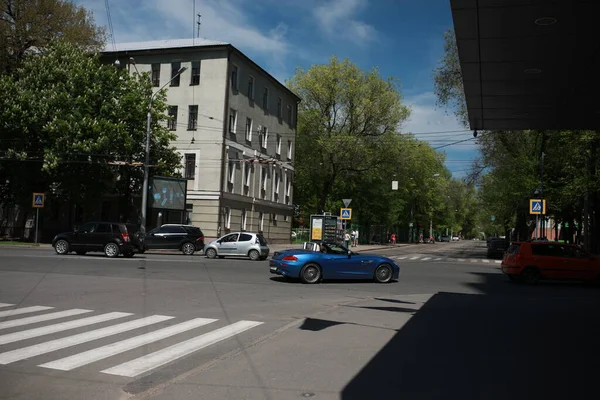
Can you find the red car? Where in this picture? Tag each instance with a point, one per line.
(532, 261)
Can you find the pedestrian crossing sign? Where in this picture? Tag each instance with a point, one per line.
(38, 200)
(346, 213)
(537, 206)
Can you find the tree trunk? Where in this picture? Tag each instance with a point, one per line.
(325, 193)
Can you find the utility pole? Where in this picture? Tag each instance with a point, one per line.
(543, 215)
(198, 23)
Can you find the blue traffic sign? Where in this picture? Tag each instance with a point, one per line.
(346, 213)
(38, 200)
(537, 206)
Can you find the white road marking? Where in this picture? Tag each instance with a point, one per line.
(474, 260)
(461, 259)
(53, 345)
(24, 310)
(40, 318)
(415, 258)
(497, 261)
(437, 259)
(5, 305)
(426, 258)
(486, 261)
(100, 353)
(154, 360)
(401, 258)
(46, 330)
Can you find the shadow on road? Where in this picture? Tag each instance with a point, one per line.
(511, 342)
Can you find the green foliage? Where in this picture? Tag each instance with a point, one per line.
(68, 117)
(31, 25)
(448, 80)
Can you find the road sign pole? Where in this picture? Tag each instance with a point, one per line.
(37, 219)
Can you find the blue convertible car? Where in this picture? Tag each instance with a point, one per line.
(317, 261)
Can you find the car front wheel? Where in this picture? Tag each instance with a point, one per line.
(61, 247)
(311, 273)
(211, 253)
(383, 273)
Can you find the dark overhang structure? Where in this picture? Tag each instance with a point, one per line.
(530, 64)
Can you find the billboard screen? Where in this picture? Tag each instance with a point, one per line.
(167, 193)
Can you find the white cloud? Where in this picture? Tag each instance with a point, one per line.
(337, 19)
(222, 20)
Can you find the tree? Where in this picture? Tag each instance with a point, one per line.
(76, 128)
(344, 120)
(448, 80)
(33, 24)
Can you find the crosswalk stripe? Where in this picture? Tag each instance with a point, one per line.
(474, 260)
(497, 261)
(461, 259)
(24, 310)
(53, 345)
(161, 357)
(427, 258)
(486, 261)
(437, 259)
(415, 258)
(5, 305)
(40, 318)
(46, 330)
(100, 353)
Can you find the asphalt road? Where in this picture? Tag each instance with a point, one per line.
(172, 326)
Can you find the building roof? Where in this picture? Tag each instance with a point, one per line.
(162, 44)
(529, 64)
(158, 45)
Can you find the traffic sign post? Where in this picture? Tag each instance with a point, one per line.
(37, 203)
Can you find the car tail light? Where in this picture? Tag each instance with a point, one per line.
(290, 258)
(200, 238)
(125, 237)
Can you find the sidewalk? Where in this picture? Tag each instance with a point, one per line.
(358, 249)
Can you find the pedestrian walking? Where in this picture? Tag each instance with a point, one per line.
(347, 240)
(356, 238)
(393, 238)
(353, 238)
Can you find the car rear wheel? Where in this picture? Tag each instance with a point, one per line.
(61, 247)
(188, 248)
(530, 275)
(311, 273)
(111, 250)
(254, 255)
(383, 273)
(211, 253)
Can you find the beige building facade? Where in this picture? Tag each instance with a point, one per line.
(236, 133)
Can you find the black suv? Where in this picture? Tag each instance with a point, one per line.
(186, 238)
(112, 238)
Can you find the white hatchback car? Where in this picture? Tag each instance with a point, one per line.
(240, 244)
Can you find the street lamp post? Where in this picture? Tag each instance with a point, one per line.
(147, 160)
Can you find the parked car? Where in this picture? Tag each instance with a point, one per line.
(455, 238)
(532, 261)
(318, 261)
(112, 238)
(496, 247)
(186, 238)
(246, 244)
(445, 238)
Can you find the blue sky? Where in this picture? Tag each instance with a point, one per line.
(403, 38)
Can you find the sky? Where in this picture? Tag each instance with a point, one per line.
(402, 38)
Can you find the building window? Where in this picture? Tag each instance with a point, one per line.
(195, 73)
(286, 218)
(276, 181)
(288, 190)
(189, 211)
(263, 182)
(244, 220)
(266, 99)
(249, 129)
(232, 120)
(279, 108)
(193, 118)
(231, 176)
(289, 115)
(251, 88)
(190, 166)
(274, 218)
(278, 148)
(247, 173)
(261, 222)
(155, 75)
(227, 218)
(172, 122)
(264, 137)
(289, 150)
(234, 77)
(175, 67)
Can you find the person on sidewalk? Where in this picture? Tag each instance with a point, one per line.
(393, 238)
(353, 238)
(356, 238)
(347, 240)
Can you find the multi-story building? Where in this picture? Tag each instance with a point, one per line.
(236, 132)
